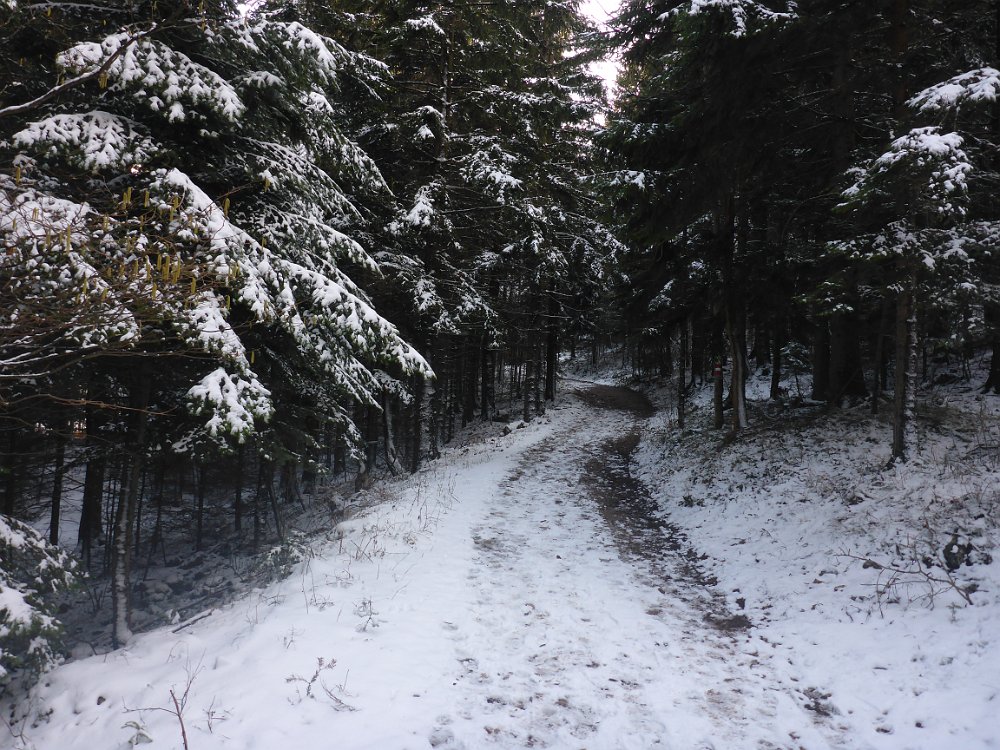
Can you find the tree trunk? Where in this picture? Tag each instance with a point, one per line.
(879, 375)
(372, 421)
(199, 477)
(434, 410)
(991, 310)
(256, 504)
(10, 481)
(93, 485)
(681, 361)
(906, 330)
(156, 538)
(737, 387)
(452, 391)
(698, 353)
(718, 395)
(991, 313)
(391, 457)
(417, 423)
(488, 378)
(900, 43)
(289, 482)
(551, 346)
(57, 485)
(121, 573)
(472, 351)
(90, 513)
(761, 346)
(527, 386)
(238, 498)
(537, 384)
(904, 403)
(846, 373)
(339, 453)
(777, 344)
(821, 362)
(837, 361)
(456, 394)
(267, 483)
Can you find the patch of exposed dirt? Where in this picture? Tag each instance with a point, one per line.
(619, 399)
(639, 531)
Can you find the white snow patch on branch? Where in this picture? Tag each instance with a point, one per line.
(235, 402)
(975, 86)
(742, 12)
(161, 77)
(96, 140)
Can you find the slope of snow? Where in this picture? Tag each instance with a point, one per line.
(838, 558)
(524, 592)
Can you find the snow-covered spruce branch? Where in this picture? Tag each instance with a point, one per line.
(72, 83)
(39, 7)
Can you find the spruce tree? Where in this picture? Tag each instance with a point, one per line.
(182, 207)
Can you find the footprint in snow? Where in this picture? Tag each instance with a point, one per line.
(444, 738)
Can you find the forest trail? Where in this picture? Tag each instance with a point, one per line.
(591, 623)
(520, 593)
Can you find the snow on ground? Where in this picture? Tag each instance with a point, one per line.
(595, 580)
(839, 560)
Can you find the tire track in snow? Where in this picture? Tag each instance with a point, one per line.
(591, 625)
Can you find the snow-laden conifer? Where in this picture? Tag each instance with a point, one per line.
(182, 197)
(31, 573)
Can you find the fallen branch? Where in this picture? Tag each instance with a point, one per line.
(897, 576)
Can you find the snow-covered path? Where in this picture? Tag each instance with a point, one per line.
(586, 630)
(536, 607)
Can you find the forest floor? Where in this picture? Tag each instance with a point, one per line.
(600, 579)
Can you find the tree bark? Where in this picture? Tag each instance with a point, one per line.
(879, 375)
(777, 344)
(537, 384)
(121, 572)
(821, 362)
(737, 386)
(199, 477)
(991, 310)
(837, 361)
(551, 346)
(718, 395)
(391, 456)
(904, 402)
(681, 361)
(991, 313)
(272, 497)
(238, 498)
(256, 504)
(434, 406)
(528, 385)
(12, 470)
(57, 485)
(416, 423)
(471, 351)
(488, 378)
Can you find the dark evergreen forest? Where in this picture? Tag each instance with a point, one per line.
(248, 250)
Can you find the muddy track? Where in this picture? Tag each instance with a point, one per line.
(617, 399)
(592, 621)
(670, 561)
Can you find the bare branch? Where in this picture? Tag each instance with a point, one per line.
(17, 109)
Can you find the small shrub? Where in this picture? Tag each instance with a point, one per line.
(31, 571)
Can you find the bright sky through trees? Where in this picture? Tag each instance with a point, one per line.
(601, 11)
